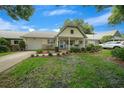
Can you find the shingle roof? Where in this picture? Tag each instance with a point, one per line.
(11, 34)
(41, 34)
(100, 35)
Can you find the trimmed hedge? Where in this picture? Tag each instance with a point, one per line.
(118, 52)
(93, 48)
(75, 50)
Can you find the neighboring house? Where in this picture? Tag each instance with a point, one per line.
(13, 37)
(95, 38)
(67, 37)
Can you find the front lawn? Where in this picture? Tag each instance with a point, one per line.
(76, 70)
(6, 53)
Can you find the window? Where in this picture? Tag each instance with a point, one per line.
(72, 31)
(50, 41)
(16, 42)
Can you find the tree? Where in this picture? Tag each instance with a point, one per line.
(117, 15)
(3, 41)
(88, 29)
(4, 45)
(22, 45)
(106, 38)
(18, 11)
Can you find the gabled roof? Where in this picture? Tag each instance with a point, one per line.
(99, 36)
(11, 34)
(63, 28)
(41, 34)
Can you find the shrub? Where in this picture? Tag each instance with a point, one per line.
(118, 52)
(63, 53)
(93, 48)
(56, 49)
(15, 48)
(50, 54)
(37, 55)
(58, 54)
(4, 48)
(39, 51)
(32, 55)
(22, 45)
(106, 38)
(5, 42)
(67, 52)
(75, 50)
(83, 49)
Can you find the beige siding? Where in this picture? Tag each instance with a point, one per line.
(35, 43)
(67, 33)
(96, 42)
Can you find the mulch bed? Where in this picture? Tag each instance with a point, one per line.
(116, 60)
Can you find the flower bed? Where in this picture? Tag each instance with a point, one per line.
(46, 54)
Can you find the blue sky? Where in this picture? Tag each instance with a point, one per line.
(50, 18)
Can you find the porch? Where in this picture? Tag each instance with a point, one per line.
(65, 43)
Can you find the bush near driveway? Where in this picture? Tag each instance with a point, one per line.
(4, 45)
(93, 48)
(118, 52)
(22, 45)
(4, 48)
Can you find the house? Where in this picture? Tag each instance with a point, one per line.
(13, 37)
(67, 37)
(95, 38)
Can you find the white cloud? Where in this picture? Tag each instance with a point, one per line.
(15, 25)
(48, 29)
(59, 12)
(6, 25)
(31, 29)
(55, 30)
(99, 20)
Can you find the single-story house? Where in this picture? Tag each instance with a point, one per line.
(95, 38)
(67, 37)
(13, 37)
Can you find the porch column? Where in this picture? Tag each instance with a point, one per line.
(68, 43)
(84, 42)
(57, 42)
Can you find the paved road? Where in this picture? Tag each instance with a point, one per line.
(12, 59)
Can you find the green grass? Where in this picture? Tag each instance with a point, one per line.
(3, 54)
(77, 70)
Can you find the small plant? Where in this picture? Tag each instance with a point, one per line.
(50, 54)
(118, 52)
(83, 49)
(58, 54)
(63, 53)
(67, 52)
(39, 51)
(37, 55)
(32, 55)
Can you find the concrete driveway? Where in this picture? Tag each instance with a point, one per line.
(10, 60)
